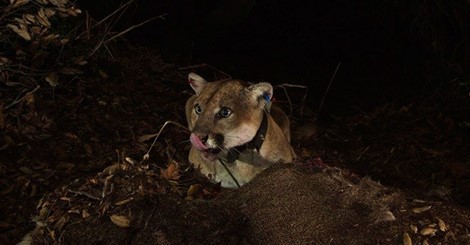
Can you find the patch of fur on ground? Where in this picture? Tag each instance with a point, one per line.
(283, 205)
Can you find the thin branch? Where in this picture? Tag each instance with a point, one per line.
(22, 98)
(135, 26)
(105, 18)
(204, 65)
(230, 173)
(329, 85)
(288, 98)
(147, 155)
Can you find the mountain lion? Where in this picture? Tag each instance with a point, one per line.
(235, 131)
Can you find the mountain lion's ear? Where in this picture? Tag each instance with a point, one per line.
(196, 82)
(262, 92)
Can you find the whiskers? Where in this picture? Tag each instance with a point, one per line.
(228, 150)
(234, 140)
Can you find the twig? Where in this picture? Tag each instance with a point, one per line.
(22, 98)
(135, 26)
(329, 85)
(204, 65)
(147, 156)
(105, 18)
(116, 20)
(150, 216)
(230, 173)
(97, 46)
(288, 98)
(85, 194)
(363, 152)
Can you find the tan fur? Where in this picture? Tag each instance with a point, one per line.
(246, 104)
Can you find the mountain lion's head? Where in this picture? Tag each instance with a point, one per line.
(224, 114)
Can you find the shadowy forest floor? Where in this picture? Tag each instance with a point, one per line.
(62, 142)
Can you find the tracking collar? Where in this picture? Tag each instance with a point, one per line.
(255, 143)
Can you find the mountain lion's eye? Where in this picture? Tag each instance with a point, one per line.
(198, 109)
(225, 112)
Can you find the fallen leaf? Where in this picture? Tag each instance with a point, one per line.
(428, 231)
(42, 18)
(49, 38)
(58, 3)
(30, 18)
(21, 32)
(70, 71)
(442, 225)
(53, 79)
(52, 235)
(193, 190)
(421, 209)
(85, 214)
(407, 239)
(21, 22)
(122, 202)
(26, 170)
(414, 228)
(49, 12)
(120, 220)
(171, 172)
(18, 3)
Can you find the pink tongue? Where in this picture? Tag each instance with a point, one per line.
(197, 142)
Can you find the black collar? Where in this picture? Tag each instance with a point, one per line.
(255, 143)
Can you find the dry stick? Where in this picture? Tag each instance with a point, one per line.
(135, 26)
(22, 98)
(147, 156)
(329, 85)
(230, 173)
(104, 42)
(105, 18)
(288, 98)
(97, 46)
(204, 65)
(115, 20)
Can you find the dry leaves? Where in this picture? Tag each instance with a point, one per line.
(407, 239)
(428, 231)
(21, 30)
(53, 79)
(421, 209)
(120, 220)
(17, 3)
(171, 172)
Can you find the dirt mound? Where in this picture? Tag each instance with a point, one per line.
(284, 205)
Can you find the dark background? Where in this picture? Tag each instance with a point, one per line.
(388, 50)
